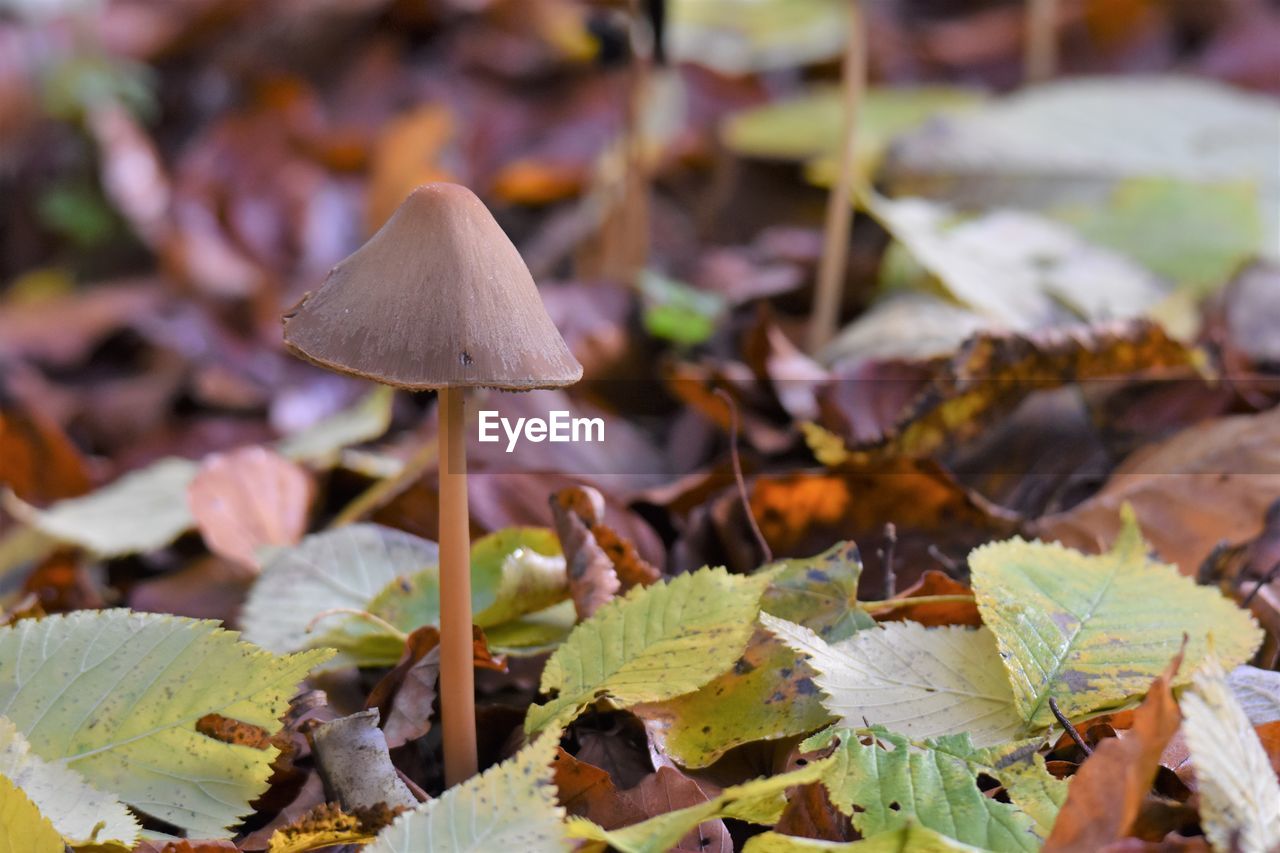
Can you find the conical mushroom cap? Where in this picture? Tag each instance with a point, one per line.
(438, 298)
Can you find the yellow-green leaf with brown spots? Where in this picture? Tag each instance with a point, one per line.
(655, 643)
(116, 696)
(1092, 632)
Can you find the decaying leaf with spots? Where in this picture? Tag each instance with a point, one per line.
(1108, 790)
(327, 825)
(993, 372)
(769, 693)
(1092, 632)
(655, 643)
(887, 787)
(150, 678)
(921, 682)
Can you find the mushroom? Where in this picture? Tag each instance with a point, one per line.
(439, 299)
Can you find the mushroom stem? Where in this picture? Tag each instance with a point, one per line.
(457, 678)
(835, 242)
(1040, 58)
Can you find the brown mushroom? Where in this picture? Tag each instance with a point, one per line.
(439, 299)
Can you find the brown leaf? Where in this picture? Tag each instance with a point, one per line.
(407, 153)
(600, 563)
(1108, 791)
(934, 582)
(249, 499)
(405, 695)
(811, 814)
(668, 790)
(1210, 483)
(40, 464)
(992, 373)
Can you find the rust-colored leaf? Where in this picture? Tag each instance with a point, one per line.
(1107, 793)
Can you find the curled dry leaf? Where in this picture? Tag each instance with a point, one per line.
(250, 499)
(351, 754)
(599, 562)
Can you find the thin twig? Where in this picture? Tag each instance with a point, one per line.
(737, 474)
(951, 565)
(1263, 581)
(895, 603)
(362, 614)
(383, 491)
(1040, 59)
(886, 559)
(1066, 724)
(839, 216)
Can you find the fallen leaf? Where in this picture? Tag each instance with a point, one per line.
(1108, 790)
(1092, 632)
(1239, 794)
(248, 501)
(1211, 482)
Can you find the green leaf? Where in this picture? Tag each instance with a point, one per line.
(883, 789)
(655, 643)
(115, 696)
(758, 801)
(769, 691)
(535, 633)
(811, 125)
(142, 511)
(1239, 795)
(677, 312)
(909, 837)
(510, 807)
(1019, 269)
(1195, 235)
(1073, 141)
(321, 443)
(514, 572)
(1094, 632)
(22, 828)
(1018, 766)
(80, 813)
(920, 681)
(740, 36)
(341, 568)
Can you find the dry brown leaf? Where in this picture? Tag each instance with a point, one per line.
(249, 499)
(934, 582)
(1108, 791)
(599, 562)
(40, 464)
(1210, 483)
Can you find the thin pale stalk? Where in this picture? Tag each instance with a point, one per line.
(835, 243)
(1040, 54)
(457, 677)
(895, 603)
